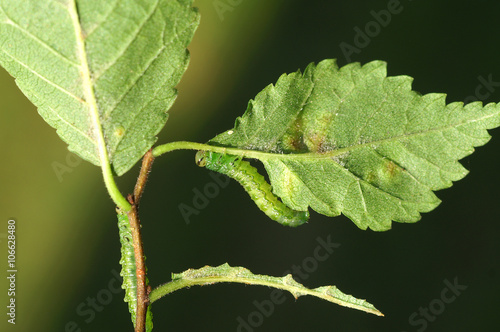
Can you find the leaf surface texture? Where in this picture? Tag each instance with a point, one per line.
(351, 140)
(103, 73)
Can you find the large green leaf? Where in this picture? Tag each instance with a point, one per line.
(354, 141)
(101, 72)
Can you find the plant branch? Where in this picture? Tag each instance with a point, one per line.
(135, 226)
(147, 163)
(140, 268)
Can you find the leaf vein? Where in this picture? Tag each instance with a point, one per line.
(85, 135)
(363, 201)
(96, 26)
(44, 44)
(103, 70)
(60, 88)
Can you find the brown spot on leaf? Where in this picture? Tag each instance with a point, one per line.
(392, 169)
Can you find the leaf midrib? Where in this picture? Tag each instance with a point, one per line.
(88, 90)
(337, 152)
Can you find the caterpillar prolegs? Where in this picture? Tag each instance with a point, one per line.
(255, 185)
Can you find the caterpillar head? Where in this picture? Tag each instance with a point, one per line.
(201, 158)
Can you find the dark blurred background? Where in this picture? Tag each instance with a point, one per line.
(67, 240)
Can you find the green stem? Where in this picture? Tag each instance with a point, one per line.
(182, 145)
(246, 153)
(113, 190)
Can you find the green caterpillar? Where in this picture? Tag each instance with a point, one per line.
(127, 262)
(255, 184)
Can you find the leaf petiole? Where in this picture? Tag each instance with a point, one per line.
(113, 190)
(183, 145)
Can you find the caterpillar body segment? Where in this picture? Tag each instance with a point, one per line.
(255, 185)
